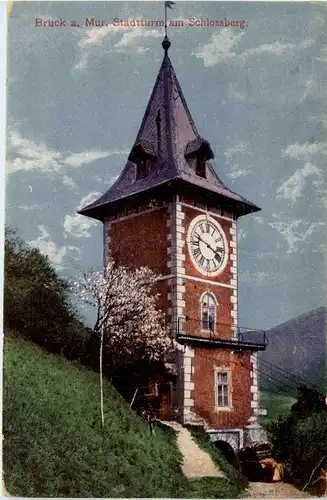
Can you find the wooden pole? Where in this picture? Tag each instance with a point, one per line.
(134, 397)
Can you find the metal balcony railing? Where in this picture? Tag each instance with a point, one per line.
(220, 334)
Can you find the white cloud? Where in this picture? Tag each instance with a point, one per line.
(220, 48)
(106, 182)
(256, 277)
(86, 200)
(25, 155)
(322, 56)
(312, 88)
(222, 45)
(296, 231)
(94, 39)
(79, 159)
(235, 171)
(31, 155)
(69, 182)
(130, 39)
(78, 226)
(277, 48)
(259, 219)
(240, 147)
(242, 234)
(29, 207)
(296, 151)
(293, 188)
(55, 253)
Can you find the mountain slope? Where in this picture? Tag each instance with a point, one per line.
(297, 346)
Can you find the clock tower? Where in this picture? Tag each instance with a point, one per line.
(169, 211)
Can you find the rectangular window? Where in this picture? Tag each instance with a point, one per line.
(200, 167)
(222, 386)
(141, 169)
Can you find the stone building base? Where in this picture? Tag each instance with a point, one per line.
(234, 437)
(254, 433)
(238, 438)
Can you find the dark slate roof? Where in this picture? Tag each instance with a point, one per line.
(145, 146)
(179, 136)
(197, 144)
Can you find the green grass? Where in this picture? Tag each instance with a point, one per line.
(54, 445)
(275, 404)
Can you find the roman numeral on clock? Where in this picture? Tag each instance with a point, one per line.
(206, 244)
(196, 252)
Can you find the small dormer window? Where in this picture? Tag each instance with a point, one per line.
(197, 153)
(141, 168)
(144, 157)
(200, 168)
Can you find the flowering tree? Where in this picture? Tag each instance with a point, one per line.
(131, 328)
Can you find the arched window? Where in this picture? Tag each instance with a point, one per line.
(208, 311)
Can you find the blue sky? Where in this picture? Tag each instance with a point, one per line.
(76, 97)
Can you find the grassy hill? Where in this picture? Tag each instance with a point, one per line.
(54, 445)
(275, 404)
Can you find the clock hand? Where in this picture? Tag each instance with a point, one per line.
(218, 257)
(209, 246)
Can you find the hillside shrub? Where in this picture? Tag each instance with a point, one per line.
(300, 438)
(37, 301)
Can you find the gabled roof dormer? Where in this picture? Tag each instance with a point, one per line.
(197, 153)
(144, 155)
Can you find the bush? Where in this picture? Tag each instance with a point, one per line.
(300, 438)
(37, 302)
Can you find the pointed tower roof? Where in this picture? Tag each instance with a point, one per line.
(179, 140)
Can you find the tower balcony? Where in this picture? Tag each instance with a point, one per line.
(224, 336)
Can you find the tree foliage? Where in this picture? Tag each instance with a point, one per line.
(134, 328)
(37, 304)
(300, 438)
(37, 301)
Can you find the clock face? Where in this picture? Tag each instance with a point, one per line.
(207, 245)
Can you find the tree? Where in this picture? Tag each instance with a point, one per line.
(308, 401)
(130, 326)
(300, 437)
(37, 301)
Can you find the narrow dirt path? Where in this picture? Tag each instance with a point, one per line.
(275, 490)
(196, 463)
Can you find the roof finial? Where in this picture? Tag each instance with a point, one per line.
(166, 43)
